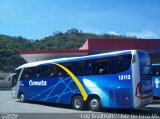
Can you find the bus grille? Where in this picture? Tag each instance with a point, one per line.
(123, 97)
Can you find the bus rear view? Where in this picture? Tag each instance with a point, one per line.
(141, 78)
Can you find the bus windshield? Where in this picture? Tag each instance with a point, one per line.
(156, 71)
(145, 67)
(15, 77)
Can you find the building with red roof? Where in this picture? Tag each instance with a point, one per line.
(93, 46)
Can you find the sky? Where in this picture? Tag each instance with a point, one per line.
(36, 19)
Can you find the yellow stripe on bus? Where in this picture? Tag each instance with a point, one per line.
(81, 88)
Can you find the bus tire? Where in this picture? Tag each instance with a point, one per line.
(21, 98)
(78, 102)
(94, 103)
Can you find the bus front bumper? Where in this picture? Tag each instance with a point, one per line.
(14, 95)
(145, 102)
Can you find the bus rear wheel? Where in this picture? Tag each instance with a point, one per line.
(21, 98)
(78, 102)
(94, 104)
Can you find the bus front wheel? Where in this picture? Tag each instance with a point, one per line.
(78, 102)
(94, 104)
(21, 98)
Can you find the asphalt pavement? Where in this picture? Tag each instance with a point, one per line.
(13, 109)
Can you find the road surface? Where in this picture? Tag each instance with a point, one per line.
(13, 109)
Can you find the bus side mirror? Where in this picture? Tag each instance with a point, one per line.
(10, 78)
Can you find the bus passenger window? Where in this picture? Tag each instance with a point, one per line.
(127, 61)
(121, 63)
(59, 72)
(80, 68)
(69, 66)
(27, 73)
(39, 71)
(89, 67)
(120, 66)
(100, 68)
(50, 71)
(103, 66)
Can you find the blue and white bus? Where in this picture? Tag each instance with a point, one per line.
(156, 79)
(119, 79)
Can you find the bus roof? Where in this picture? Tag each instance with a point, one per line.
(61, 60)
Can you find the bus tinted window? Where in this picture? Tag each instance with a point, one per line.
(51, 71)
(103, 66)
(121, 63)
(39, 71)
(62, 72)
(27, 73)
(156, 70)
(15, 77)
(107, 65)
(89, 65)
(80, 68)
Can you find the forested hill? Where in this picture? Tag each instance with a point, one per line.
(71, 39)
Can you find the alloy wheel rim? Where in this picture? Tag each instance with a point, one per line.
(78, 103)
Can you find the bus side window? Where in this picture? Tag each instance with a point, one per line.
(40, 71)
(69, 66)
(60, 72)
(108, 65)
(89, 67)
(103, 66)
(53, 71)
(47, 71)
(50, 71)
(121, 63)
(27, 73)
(80, 69)
(127, 61)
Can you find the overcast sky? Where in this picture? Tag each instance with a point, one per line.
(35, 19)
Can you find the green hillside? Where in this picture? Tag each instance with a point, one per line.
(71, 39)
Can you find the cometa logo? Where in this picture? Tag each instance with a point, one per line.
(37, 83)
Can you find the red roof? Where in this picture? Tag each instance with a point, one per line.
(121, 44)
(53, 51)
(96, 45)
